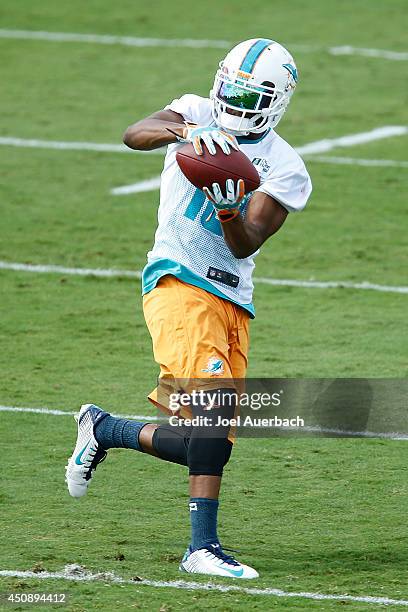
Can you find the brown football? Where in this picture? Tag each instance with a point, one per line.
(204, 170)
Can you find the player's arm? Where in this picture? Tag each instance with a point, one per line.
(166, 126)
(264, 217)
(157, 130)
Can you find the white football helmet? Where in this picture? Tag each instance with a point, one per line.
(255, 81)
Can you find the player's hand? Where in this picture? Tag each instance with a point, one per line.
(234, 197)
(228, 206)
(210, 136)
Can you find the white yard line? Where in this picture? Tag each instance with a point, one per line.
(111, 273)
(50, 269)
(351, 140)
(318, 146)
(192, 43)
(107, 39)
(330, 431)
(54, 412)
(78, 574)
(380, 53)
(356, 161)
(328, 284)
(151, 184)
(34, 143)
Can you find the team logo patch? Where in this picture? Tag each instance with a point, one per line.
(215, 367)
(262, 165)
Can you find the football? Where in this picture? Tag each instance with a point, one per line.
(206, 169)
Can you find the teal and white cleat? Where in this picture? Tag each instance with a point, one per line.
(213, 561)
(87, 453)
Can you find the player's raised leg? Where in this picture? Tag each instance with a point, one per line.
(97, 432)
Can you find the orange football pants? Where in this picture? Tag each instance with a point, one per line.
(198, 339)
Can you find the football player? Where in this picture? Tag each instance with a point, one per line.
(197, 284)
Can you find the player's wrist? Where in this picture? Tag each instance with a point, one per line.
(225, 215)
(179, 132)
(189, 129)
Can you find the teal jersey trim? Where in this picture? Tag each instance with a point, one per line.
(153, 271)
(244, 140)
(250, 59)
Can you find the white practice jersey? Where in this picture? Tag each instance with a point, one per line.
(189, 242)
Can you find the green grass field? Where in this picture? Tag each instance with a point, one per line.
(321, 515)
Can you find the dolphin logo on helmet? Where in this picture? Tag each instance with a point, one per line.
(292, 70)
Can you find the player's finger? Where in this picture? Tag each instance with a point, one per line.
(224, 146)
(230, 191)
(208, 194)
(240, 190)
(197, 145)
(232, 141)
(216, 189)
(208, 141)
(219, 138)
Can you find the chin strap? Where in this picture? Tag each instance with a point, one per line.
(232, 132)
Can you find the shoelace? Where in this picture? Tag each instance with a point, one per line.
(218, 552)
(98, 458)
(231, 549)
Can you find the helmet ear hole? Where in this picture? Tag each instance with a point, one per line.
(267, 100)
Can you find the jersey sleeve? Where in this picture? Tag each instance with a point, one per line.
(194, 109)
(289, 184)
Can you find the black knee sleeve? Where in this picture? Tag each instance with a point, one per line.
(171, 443)
(209, 448)
(207, 456)
(204, 448)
